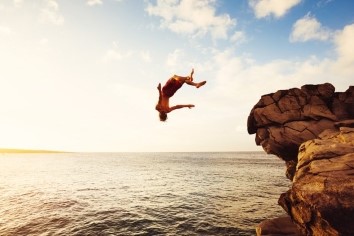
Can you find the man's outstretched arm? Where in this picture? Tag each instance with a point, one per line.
(181, 106)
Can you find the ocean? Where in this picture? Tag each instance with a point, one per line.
(139, 193)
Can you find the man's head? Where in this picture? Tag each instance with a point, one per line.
(162, 113)
(163, 116)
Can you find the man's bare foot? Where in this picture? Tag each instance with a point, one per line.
(200, 84)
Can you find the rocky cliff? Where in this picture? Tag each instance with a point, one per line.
(282, 121)
(311, 129)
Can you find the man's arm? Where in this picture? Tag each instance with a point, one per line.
(160, 93)
(181, 106)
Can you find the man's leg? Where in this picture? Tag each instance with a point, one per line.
(189, 80)
(197, 85)
(191, 76)
(185, 78)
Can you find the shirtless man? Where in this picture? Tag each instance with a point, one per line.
(171, 86)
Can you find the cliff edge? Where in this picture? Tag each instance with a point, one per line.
(312, 130)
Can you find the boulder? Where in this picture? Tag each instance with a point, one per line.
(281, 226)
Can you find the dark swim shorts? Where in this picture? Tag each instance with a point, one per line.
(171, 87)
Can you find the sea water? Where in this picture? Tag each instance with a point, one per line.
(139, 193)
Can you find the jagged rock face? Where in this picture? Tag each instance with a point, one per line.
(284, 120)
(320, 200)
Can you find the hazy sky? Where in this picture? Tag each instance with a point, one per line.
(81, 75)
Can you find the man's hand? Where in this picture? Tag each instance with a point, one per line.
(190, 106)
(159, 87)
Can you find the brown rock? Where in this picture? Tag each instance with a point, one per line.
(281, 226)
(283, 120)
(312, 130)
(320, 200)
(343, 104)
